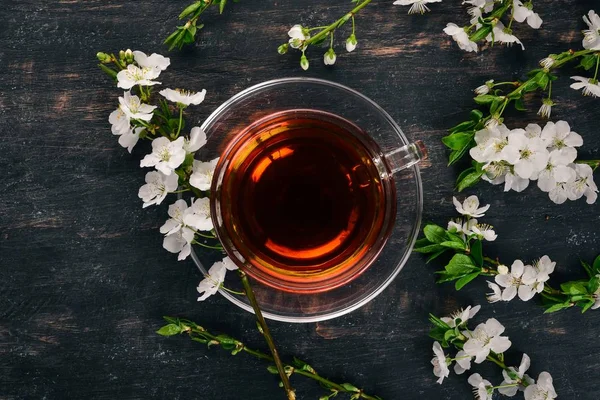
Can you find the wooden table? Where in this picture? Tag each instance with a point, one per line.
(85, 281)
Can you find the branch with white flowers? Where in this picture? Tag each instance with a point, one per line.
(186, 33)
(547, 155)
(176, 169)
(486, 24)
(199, 334)
(484, 343)
(464, 237)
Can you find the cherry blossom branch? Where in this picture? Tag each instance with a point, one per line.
(465, 238)
(199, 334)
(485, 342)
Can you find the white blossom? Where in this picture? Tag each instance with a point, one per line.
(460, 317)
(515, 182)
(183, 97)
(215, 277)
(174, 224)
(166, 155)
(519, 281)
(495, 172)
(297, 36)
(502, 34)
(202, 174)
(591, 39)
(522, 13)
(496, 294)
(133, 108)
(532, 154)
(134, 75)
(484, 338)
(533, 131)
(417, 6)
(485, 231)
(522, 377)
(546, 108)
(119, 122)
(463, 362)
(157, 186)
(480, 387)
(481, 5)
(153, 61)
(196, 141)
(180, 242)
(461, 37)
(558, 136)
(130, 138)
(484, 89)
(329, 57)
(470, 207)
(584, 184)
(543, 268)
(560, 192)
(590, 86)
(596, 297)
(197, 215)
(547, 63)
(440, 363)
(491, 145)
(542, 390)
(557, 170)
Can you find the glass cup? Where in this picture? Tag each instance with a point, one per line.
(315, 297)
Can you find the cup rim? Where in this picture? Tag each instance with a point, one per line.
(413, 234)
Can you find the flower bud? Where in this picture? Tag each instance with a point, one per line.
(351, 43)
(121, 54)
(304, 62)
(329, 57)
(103, 57)
(283, 48)
(129, 56)
(502, 269)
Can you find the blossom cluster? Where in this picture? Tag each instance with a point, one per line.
(486, 24)
(546, 155)
(485, 342)
(175, 168)
(465, 237)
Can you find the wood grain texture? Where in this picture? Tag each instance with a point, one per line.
(84, 280)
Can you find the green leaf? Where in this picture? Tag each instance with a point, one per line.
(437, 333)
(486, 99)
(593, 285)
(588, 62)
(109, 71)
(190, 9)
(460, 264)
(273, 369)
(454, 238)
(558, 307)
(435, 255)
(466, 172)
(481, 33)
(438, 322)
(466, 279)
(457, 141)
(435, 233)
(456, 155)
(586, 305)
(469, 180)
(530, 86)
(432, 248)
(587, 268)
(463, 126)
(169, 330)
(422, 242)
(222, 6)
(574, 288)
(477, 253)
(350, 387)
(476, 115)
(446, 277)
(597, 265)
(520, 105)
(449, 335)
(542, 79)
(453, 245)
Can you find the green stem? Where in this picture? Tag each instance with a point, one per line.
(207, 246)
(180, 121)
(574, 55)
(597, 65)
(496, 361)
(231, 290)
(201, 332)
(491, 260)
(337, 23)
(267, 335)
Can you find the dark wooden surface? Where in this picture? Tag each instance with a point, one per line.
(84, 280)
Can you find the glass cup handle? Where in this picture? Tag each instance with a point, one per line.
(406, 156)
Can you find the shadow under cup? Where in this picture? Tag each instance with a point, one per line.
(304, 201)
(308, 294)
